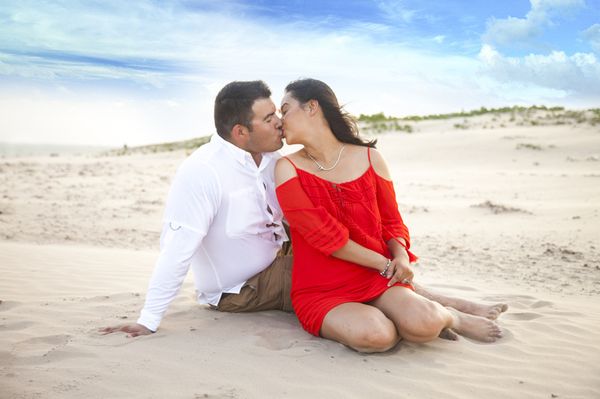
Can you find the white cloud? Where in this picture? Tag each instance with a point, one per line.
(593, 35)
(575, 74)
(542, 14)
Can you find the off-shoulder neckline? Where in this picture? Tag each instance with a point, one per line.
(369, 169)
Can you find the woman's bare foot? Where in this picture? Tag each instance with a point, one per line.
(475, 327)
(490, 312)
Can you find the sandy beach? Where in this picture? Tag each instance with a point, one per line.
(506, 214)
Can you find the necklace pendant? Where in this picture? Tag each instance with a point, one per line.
(321, 167)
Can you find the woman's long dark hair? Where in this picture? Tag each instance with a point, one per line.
(342, 124)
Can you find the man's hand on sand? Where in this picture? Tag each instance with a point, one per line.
(132, 330)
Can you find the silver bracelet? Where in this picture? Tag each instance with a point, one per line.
(383, 273)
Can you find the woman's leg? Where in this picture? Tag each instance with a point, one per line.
(419, 319)
(477, 309)
(362, 327)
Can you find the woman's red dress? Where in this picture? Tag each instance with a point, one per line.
(323, 215)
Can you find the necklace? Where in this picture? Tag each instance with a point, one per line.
(321, 167)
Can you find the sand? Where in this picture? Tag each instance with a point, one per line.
(507, 214)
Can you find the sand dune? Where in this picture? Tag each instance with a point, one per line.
(492, 221)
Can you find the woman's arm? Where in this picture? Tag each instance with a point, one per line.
(356, 253)
(395, 231)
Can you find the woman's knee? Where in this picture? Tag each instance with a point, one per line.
(426, 324)
(377, 336)
(362, 327)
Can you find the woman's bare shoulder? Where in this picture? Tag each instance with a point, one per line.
(379, 164)
(285, 169)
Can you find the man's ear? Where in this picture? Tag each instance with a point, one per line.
(239, 134)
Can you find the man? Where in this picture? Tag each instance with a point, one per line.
(222, 218)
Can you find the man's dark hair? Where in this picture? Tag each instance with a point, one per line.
(233, 105)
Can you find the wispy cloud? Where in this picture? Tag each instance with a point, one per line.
(542, 14)
(592, 34)
(397, 11)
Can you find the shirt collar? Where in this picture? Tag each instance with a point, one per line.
(242, 156)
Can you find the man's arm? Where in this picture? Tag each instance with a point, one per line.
(193, 202)
(178, 246)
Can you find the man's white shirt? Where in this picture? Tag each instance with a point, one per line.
(222, 218)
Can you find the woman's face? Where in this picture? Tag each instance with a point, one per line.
(293, 118)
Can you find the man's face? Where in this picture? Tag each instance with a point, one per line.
(266, 134)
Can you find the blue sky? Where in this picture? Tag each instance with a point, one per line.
(113, 72)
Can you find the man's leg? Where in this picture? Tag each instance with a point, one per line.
(477, 309)
(268, 290)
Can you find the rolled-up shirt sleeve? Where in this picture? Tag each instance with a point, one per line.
(314, 223)
(193, 201)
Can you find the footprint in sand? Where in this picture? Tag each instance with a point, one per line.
(301, 347)
(496, 298)
(269, 342)
(42, 350)
(222, 393)
(455, 287)
(17, 326)
(520, 301)
(533, 304)
(522, 316)
(6, 305)
(563, 313)
(541, 304)
(40, 346)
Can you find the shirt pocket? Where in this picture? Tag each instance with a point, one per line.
(244, 214)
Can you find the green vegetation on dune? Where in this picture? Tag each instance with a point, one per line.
(483, 111)
(536, 115)
(380, 117)
(596, 115)
(189, 145)
(381, 123)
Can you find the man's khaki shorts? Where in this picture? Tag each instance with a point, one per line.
(268, 290)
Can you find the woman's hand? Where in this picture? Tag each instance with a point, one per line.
(400, 270)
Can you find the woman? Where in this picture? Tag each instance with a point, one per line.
(351, 277)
